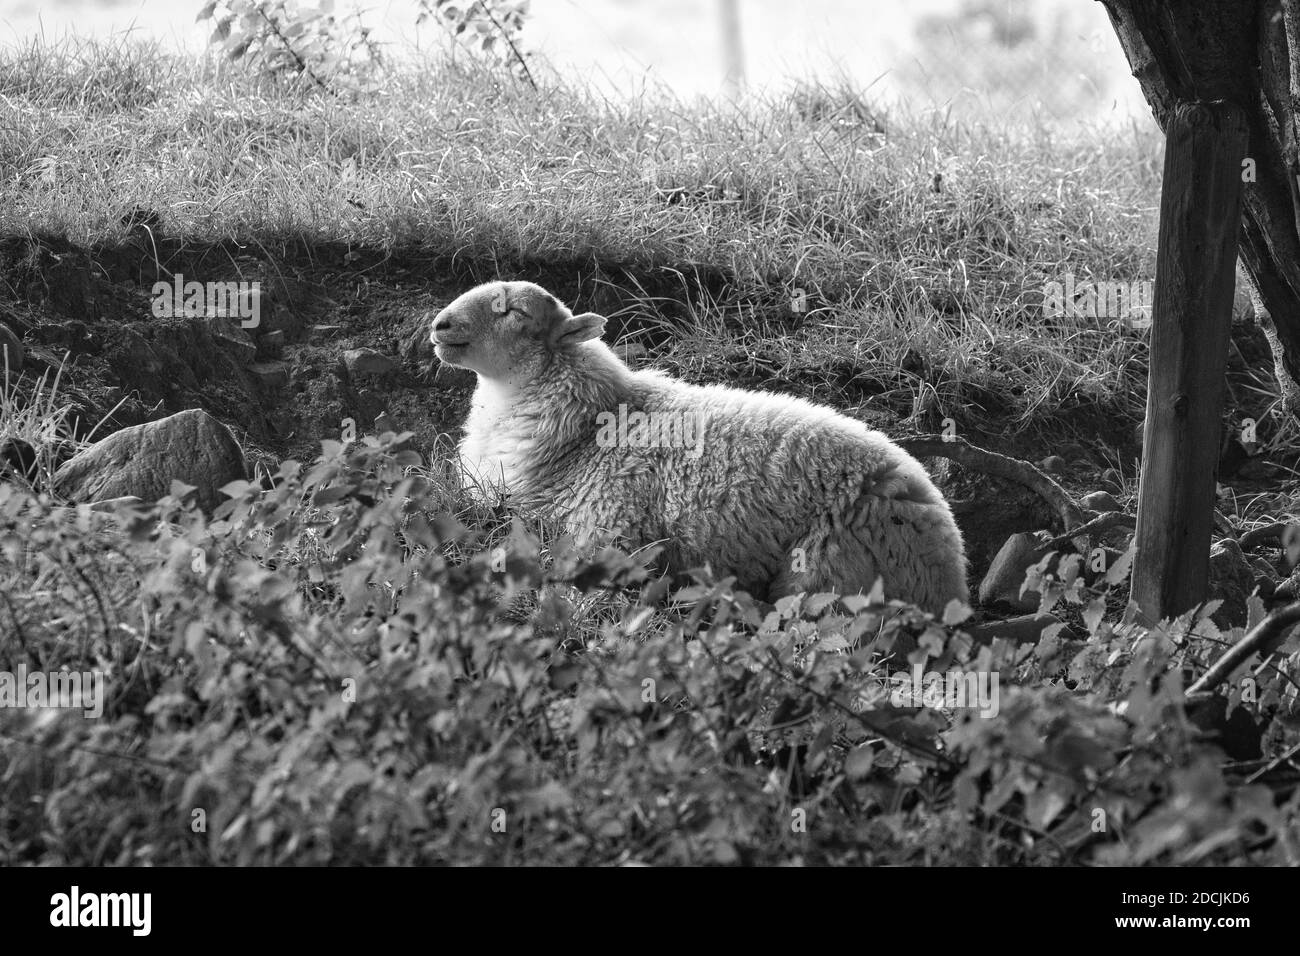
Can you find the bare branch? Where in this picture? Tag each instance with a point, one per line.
(1264, 639)
(999, 466)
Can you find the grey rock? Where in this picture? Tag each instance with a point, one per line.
(1006, 574)
(367, 362)
(1099, 501)
(280, 318)
(232, 337)
(143, 460)
(271, 374)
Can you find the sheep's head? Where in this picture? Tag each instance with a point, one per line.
(509, 330)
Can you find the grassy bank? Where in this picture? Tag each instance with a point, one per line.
(921, 245)
(357, 665)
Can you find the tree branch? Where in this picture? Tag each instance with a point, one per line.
(1264, 639)
(999, 466)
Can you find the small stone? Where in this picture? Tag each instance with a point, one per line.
(278, 318)
(367, 362)
(1111, 480)
(1006, 574)
(1053, 464)
(271, 374)
(1073, 452)
(1256, 469)
(231, 337)
(1099, 501)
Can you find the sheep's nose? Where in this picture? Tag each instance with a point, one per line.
(441, 323)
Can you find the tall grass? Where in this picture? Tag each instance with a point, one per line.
(910, 234)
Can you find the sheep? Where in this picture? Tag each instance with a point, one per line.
(784, 494)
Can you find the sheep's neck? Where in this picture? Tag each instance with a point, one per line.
(520, 436)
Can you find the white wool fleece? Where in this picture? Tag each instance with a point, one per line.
(786, 495)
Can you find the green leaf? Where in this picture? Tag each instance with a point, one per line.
(859, 762)
(1255, 611)
(854, 603)
(179, 490)
(1117, 573)
(235, 489)
(956, 611)
(1043, 806)
(1094, 614)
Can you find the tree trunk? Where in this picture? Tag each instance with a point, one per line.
(1200, 207)
(1246, 52)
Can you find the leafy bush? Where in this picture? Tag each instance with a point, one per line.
(493, 28)
(285, 37)
(335, 53)
(341, 670)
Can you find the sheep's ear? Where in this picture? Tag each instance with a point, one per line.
(578, 329)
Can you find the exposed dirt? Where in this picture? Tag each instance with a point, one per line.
(282, 385)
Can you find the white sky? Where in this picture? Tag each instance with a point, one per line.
(621, 42)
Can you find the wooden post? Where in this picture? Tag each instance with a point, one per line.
(1200, 215)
